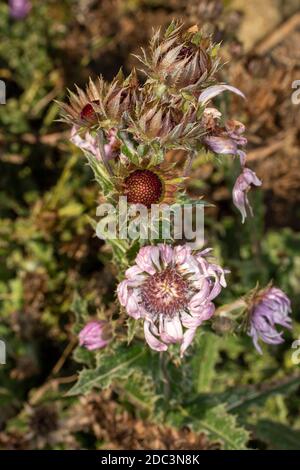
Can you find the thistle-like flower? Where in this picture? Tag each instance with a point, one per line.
(182, 60)
(80, 111)
(94, 335)
(241, 187)
(267, 308)
(172, 290)
(101, 104)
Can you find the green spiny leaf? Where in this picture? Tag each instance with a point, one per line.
(113, 366)
(220, 426)
(240, 400)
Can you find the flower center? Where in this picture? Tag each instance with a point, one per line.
(166, 293)
(143, 187)
(88, 113)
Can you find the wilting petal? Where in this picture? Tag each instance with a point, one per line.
(234, 127)
(88, 144)
(240, 189)
(181, 253)
(166, 253)
(123, 293)
(132, 306)
(221, 144)
(243, 157)
(171, 330)
(112, 148)
(212, 112)
(153, 342)
(200, 296)
(135, 274)
(200, 314)
(215, 90)
(148, 259)
(187, 339)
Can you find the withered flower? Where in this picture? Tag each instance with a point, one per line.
(80, 111)
(183, 60)
(268, 308)
(167, 122)
(241, 187)
(101, 103)
(117, 99)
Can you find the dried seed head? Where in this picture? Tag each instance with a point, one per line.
(143, 187)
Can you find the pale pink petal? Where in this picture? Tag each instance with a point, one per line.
(166, 253)
(171, 330)
(200, 296)
(133, 307)
(198, 315)
(122, 292)
(181, 253)
(153, 342)
(187, 339)
(148, 259)
(215, 90)
(88, 144)
(221, 144)
(134, 273)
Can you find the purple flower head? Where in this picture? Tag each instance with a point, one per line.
(19, 9)
(268, 308)
(240, 190)
(172, 290)
(93, 335)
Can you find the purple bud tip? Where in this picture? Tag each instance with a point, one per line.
(19, 9)
(92, 336)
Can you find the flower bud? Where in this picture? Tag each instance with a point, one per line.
(183, 60)
(95, 335)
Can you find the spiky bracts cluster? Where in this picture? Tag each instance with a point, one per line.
(183, 60)
(125, 128)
